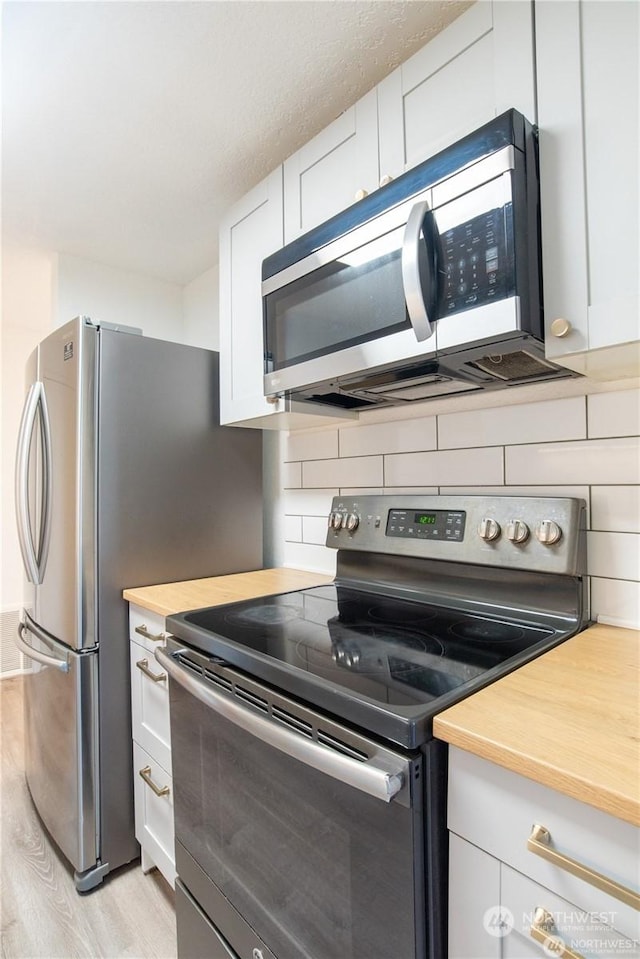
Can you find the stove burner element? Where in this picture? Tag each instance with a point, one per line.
(486, 629)
(268, 615)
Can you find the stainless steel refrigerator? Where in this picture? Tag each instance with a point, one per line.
(124, 477)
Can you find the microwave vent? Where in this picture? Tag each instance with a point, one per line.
(514, 366)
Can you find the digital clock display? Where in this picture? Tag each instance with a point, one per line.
(424, 519)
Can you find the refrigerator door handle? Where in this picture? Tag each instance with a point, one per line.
(36, 655)
(27, 548)
(45, 537)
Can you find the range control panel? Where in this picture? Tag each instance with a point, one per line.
(436, 524)
(536, 533)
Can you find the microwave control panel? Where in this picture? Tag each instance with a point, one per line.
(475, 264)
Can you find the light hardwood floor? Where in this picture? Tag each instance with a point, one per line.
(41, 914)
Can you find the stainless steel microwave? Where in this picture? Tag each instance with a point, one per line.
(428, 287)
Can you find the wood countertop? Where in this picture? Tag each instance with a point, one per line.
(170, 598)
(569, 719)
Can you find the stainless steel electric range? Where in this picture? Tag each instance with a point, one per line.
(309, 793)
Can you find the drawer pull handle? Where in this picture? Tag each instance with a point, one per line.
(543, 930)
(143, 666)
(154, 637)
(158, 790)
(539, 842)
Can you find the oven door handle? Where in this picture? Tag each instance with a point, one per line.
(382, 775)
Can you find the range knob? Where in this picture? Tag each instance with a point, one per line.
(489, 529)
(335, 520)
(517, 531)
(548, 532)
(352, 521)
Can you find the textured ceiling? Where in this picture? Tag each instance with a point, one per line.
(128, 129)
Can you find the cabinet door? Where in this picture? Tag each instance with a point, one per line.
(474, 902)
(588, 107)
(250, 232)
(325, 175)
(478, 67)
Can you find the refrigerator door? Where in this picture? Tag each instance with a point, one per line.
(65, 596)
(61, 742)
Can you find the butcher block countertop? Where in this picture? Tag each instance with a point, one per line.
(569, 720)
(172, 598)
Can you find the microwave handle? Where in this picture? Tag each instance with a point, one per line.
(414, 292)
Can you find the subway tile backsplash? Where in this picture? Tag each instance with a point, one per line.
(586, 446)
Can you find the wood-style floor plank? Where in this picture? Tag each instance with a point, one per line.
(41, 914)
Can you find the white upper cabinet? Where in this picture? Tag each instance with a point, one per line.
(478, 67)
(249, 232)
(334, 169)
(588, 108)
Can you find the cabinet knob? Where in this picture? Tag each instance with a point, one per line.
(560, 326)
(361, 194)
(387, 178)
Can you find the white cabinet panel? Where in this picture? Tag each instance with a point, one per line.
(250, 232)
(474, 902)
(478, 67)
(324, 176)
(150, 705)
(588, 111)
(151, 732)
(154, 814)
(496, 809)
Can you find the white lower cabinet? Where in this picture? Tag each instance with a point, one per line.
(509, 901)
(153, 785)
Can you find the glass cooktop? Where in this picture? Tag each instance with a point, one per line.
(397, 655)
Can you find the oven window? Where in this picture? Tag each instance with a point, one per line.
(316, 868)
(355, 298)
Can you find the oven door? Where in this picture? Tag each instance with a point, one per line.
(294, 835)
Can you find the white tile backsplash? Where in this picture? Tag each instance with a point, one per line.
(614, 414)
(445, 468)
(615, 508)
(292, 529)
(314, 530)
(399, 437)
(311, 444)
(308, 502)
(596, 462)
(615, 601)
(614, 555)
(352, 471)
(291, 475)
(585, 446)
(532, 423)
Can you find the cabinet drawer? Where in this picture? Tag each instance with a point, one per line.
(150, 705)
(496, 809)
(146, 628)
(154, 813)
(538, 923)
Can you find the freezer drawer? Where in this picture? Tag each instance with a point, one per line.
(61, 743)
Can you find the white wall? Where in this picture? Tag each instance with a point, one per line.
(200, 310)
(552, 439)
(118, 296)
